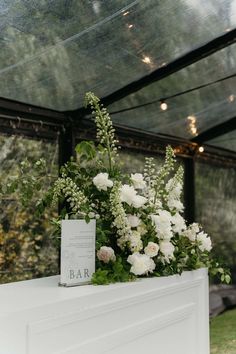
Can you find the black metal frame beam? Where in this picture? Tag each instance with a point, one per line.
(18, 109)
(217, 130)
(185, 60)
(189, 190)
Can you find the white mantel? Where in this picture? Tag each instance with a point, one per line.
(167, 315)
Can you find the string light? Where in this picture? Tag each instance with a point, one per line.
(201, 149)
(130, 26)
(163, 106)
(192, 125)
(126, 13)
(146, 60)
(231, 98)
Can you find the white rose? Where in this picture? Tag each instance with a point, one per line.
(179, 223)
(129, 195)
(102, 182)
(139, 201)
(138, 180)
(141, 264)
(151, 249)
(133, 220)
(106, 254)
(204, 242)
(167, 249)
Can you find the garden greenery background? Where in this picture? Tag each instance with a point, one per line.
(27, 249)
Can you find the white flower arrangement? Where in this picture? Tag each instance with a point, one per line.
(140, 227)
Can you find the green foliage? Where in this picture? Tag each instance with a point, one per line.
(93, 186)
(113, 273)
(222, 333)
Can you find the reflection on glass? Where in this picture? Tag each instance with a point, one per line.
(26, 248)
(216, 209)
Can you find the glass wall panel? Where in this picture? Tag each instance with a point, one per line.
(26, 246)
(226, 141)
(52, 52)
(189, 114)
(216, 209)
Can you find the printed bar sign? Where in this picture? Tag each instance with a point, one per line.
(77, 252)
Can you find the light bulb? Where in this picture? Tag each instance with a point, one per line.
(126, 13)
(146, 60)
(201, 149)
(163, 106)
(231, 98)
(130, 26)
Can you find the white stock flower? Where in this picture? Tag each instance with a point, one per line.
(175, 204)
(141, 264)
(195, 227)
(133, 220)
(151, 249)
(102, 182)
(162, 222)
(174, 191)
(135, 242)
(204, 242)
(178, 223)
(167, 249)
(106, 254)
(129, 195)
(191, 232)
(138, 180)
(142, 229)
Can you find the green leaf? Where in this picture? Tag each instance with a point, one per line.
(86, 149)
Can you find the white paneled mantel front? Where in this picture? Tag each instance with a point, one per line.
(167, 315)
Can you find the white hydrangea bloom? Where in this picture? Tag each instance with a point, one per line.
(162, 222)
(138, 181)
(151, 249)
(204, 242)
(102, 182)
(133, 220)
(178, 222)
(141, 264)
(167, 249)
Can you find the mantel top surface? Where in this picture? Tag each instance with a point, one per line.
(29, 294)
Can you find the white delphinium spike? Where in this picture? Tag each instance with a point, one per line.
(66, 187)
(105, 130)
(120, 221)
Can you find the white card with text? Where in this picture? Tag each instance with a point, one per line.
(77, 252)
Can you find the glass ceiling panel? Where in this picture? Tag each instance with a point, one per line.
(52, 52)
(189, 114)
(226, 141)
